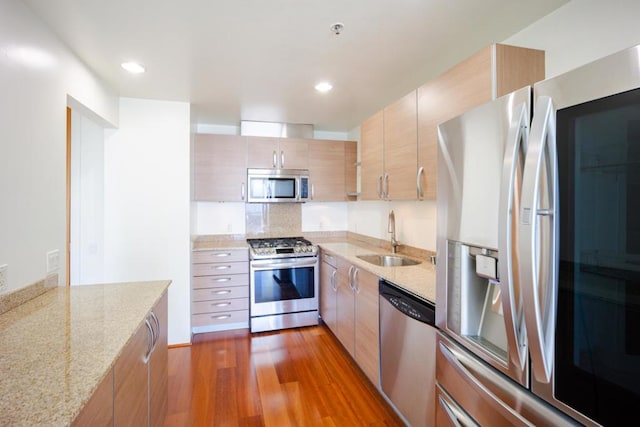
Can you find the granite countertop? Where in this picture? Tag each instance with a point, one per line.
(55, 349)
(418, 279)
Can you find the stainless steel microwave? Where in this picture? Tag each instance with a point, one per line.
(277, 185)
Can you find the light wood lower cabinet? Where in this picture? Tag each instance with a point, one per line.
(355, 301)
(140, 373)
(219, 289)
(135, 391)
(328, 289)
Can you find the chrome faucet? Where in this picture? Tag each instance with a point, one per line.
(392, 230)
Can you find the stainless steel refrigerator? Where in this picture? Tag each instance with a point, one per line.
(538, 242)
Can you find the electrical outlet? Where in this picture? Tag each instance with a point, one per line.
(53, 261)
(3, 277)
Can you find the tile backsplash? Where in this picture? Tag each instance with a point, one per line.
(273, 219)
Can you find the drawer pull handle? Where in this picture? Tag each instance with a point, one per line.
(223, 279)
(222, 267)
(221, 304)
(224, 292)
(222, 254)
(224, 316)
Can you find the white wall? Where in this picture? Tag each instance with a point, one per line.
(147, 206)
(37, 73)
(582, 31)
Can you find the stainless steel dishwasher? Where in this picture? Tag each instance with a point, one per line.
(408, 354)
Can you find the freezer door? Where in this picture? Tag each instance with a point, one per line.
(486, 396)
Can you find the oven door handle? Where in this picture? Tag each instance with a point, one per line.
(271, 264)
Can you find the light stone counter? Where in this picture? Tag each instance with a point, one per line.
(418, 279)
(56, 348)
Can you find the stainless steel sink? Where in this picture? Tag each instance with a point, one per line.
(384, 260)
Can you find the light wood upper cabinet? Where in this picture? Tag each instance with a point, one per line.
(351, 168)
(400, 146)
(332, 170)
(220, 168)
(278, 153)
(492, 72)
(371, 167)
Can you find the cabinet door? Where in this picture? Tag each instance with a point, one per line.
(401, 148)
(367, 330)
(371, 161)
(130, 376)
(328, 274)
(263, 152)
(345, 308)
(351, 168)
(293, 153)
(98, 411)
(220, 168)
(326, 171)
(158, 365)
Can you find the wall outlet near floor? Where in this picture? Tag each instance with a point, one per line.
(3, 277)
(53, 261)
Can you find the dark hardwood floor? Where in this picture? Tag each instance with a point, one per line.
(294, 377)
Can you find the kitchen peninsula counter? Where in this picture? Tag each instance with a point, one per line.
(55, 349)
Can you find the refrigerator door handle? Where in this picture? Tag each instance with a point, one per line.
(538, 247)
(513, 163)
(456, 415)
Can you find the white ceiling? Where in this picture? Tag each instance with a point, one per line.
(259, 59)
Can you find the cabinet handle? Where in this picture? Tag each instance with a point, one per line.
(223, 279)
(223, 292)
(313, 191)
(220, 304)
(150, 338)
(157, 335)
(222, 317)
(222, 267)
(351, 269)
(385, 186)
(333, 280)
(282, 159)
(242, 191)
(379, 187)
(419, 182)
(356, 285)
(275, 159)
(222, 254)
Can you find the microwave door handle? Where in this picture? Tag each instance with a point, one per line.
(538, 264)
(513, 163)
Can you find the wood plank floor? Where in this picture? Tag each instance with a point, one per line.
(294, 377)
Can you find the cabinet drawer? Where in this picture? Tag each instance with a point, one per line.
(218, 306)
(222, 268)
(219, 281)
(221, 318)
(219, 255)
(212, 294)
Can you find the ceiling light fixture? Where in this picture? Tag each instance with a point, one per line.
(324, 87)
(133, 67)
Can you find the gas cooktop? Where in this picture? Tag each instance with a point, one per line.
(281, 247)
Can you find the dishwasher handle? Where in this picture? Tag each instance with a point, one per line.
(410, 305)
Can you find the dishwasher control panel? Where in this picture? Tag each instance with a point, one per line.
(414, 307)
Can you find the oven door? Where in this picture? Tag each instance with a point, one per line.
(280, 286)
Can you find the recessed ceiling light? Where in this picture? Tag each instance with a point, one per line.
(324, 87)
(133, 67)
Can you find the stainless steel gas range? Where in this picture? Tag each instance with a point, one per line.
(284, 283)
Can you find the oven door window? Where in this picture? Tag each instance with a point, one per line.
(284, 284)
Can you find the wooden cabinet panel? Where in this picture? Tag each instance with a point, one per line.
(492, 72)
(219, 255)
(345, 307)
(130, 376)
(367, 347)
(98, 411)
(328, 277)
(351, 168)
(220, 168)
(219, 291)
(326, 176)
(371, 168)
(158, 367)
(400, 145)
(277, 153)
